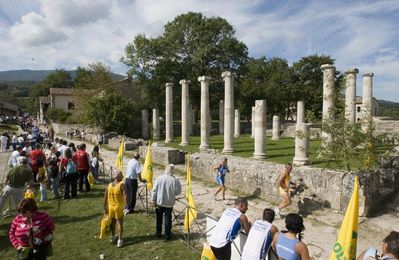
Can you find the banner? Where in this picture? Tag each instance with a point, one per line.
(119, 159)
(345, 246)
(191, 210)
(147, 169)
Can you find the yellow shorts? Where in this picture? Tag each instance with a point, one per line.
(115, 212)
(282, 191)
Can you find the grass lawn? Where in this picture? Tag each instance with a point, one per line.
(9, 128)
(77, 229)
(281, 151)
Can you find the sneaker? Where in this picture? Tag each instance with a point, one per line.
(125, 212)
(277, 211)
(114, 239)
(120, 243)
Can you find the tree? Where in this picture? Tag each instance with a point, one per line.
(265, 78)
(111, 112)
(192, 45)
(57, 115)
(96, 76)
(308, 82)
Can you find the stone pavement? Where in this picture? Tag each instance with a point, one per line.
(322, 226)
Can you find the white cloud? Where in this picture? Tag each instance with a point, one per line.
(34, 31)
(75, 12)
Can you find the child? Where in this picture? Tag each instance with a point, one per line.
(42, 179)
(53, 174)
(284, 182)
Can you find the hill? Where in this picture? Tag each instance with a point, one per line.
(35, 75)
(389, 109)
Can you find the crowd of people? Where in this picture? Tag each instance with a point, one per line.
(65, 168)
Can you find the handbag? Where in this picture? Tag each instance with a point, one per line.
(207, 253)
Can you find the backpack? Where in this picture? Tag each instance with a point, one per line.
(70, 167)
(52, 169)
(82, 160)
(37, 161)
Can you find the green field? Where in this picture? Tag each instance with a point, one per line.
(77, 228)
(281, 151)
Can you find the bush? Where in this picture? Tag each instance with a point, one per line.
(57, 115)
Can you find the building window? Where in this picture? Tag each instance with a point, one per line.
(71, 106)
(358, 109)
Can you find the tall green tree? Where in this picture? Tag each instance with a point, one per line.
(192, 45)
(308, 82)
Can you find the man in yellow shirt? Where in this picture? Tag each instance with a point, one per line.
(115, 199)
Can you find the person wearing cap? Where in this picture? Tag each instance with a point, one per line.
(16, 180)
(133, 173)
(164, 192)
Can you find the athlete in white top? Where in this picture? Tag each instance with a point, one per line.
(260, 237)
(228, 227)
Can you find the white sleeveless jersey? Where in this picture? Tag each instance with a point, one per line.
(258, 241)
(227, 228)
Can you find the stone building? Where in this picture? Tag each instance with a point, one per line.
(63, 98)
(359, 108)
(7, 109)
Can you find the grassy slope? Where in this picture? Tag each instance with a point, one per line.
(77, 227)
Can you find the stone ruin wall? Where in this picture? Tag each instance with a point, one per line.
(317, 188)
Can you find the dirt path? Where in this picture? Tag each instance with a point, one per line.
(321, 226)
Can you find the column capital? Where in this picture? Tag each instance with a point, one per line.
(370, 74)
(184, 81)
(169, 84)
(204, 78)
(227, 74)
(352, 71)
(326, 66)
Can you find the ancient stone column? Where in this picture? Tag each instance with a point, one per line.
(253, 122)
(156, 134)
(350, 95)
(204, 112)
(169, 113)
(228, 78)
(185, 112)
(300, 112)
(276, 128)
(190, 124)
(221, 117)
(301, 144)
(367, 100)
(328, 103)
(144, 123)
(237, 123)
(260, 129)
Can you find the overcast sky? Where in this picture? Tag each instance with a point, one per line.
(48, 34)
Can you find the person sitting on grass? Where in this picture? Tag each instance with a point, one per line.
(115, 199)
(390, 249)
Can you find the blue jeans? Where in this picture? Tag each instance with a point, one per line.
(160, 212)
(55, 186)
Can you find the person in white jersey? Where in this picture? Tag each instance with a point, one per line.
(260, 237)
(228, 227)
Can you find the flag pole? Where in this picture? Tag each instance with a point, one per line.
(146, 198)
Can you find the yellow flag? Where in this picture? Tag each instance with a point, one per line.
(119, 159)
(147, 169)
(345, 246)
(191, 210)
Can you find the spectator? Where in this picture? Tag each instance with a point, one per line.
(37, 160)
(27, 149)
(222, 169)
(95, 164)
(14, 141)
(288, 244)
(133, 173)
(114, 201)
(390, 249)
(13, 161)
(53, 174)
(21, 140)
(3, 143)
(63, 148)
(82, 160)
(16, 180)
(72, 147)
(260, 237)
(31, 231)
(228, 227)
(164, 193)
(68, 169)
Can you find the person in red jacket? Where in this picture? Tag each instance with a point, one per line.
(37, 160)
(82, 160)
(31, 231)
